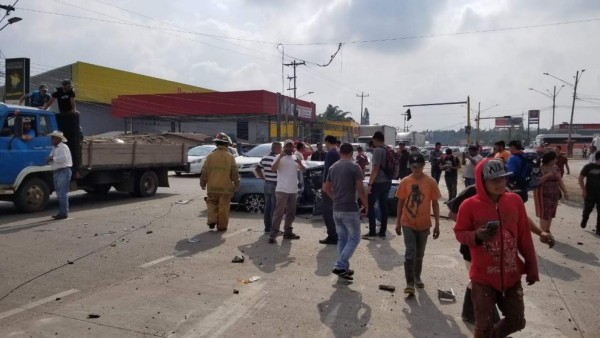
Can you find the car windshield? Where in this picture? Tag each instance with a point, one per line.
(260, 150)
(200, 150)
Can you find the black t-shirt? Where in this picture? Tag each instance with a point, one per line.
(591, 172)
(63, 98)
(451, 161)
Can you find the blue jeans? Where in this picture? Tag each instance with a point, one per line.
(270, 203)
(62, 177)
(436, 172)
(330, 223)
(379, 193)
(347, 225)
(469, 181)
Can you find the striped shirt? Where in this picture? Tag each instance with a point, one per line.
(265, 164)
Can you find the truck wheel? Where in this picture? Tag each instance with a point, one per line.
(147, 184)
(32, 195)
(98, 189)
(254, 203)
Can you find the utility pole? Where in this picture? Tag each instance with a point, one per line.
(295, 110)
(478, 116)
(553, 109)
(362, 96)
(468, 128)
(569, 144)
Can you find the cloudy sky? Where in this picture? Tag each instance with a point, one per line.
(397, 52)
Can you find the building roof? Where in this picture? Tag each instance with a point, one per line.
(206, 105)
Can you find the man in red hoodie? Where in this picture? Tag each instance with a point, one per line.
(494, 225)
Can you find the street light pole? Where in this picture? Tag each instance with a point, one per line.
(553, 96)
(569, 144)
(11, 21)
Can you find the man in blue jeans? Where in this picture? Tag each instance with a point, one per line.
(61, 162)
(343, 184)
(379, 187)
(264, 171)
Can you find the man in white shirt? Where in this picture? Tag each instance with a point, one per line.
(470, 160)
(60, 161)
(286, 165)
(592, 157)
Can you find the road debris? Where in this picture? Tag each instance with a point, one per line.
(149, 232)
(448, 295)
(93, 316)
(236, 291)
(238, 259)
(385, 287)
(183, 201)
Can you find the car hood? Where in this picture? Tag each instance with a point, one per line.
(194, 158)
(241, 160)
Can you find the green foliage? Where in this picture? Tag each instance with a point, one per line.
(366, 117)
(334, 113)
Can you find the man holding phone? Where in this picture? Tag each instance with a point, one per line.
(286, 165)
(343, 185)
(494, 225)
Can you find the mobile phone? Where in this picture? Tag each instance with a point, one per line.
(492, 225)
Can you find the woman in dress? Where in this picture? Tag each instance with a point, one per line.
(548, 191)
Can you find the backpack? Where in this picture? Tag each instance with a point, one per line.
(528, 175)
(391, 163)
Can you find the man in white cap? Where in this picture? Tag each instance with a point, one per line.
(61, 162)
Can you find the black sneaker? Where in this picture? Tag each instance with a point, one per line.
(212, 226)
(369, 236)
(382, 236)
(272, 240)
(344, 273)
(328, 241)
(60, 216)
(291, 236)
(583, 223)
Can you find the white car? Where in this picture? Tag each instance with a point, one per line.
(196, 156)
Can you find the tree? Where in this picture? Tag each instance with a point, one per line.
(334, 113)
(366, 117)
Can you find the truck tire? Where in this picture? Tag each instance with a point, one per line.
(98, 189)
(147, 184)
(32, 195)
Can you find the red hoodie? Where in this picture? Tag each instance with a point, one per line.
(496, 262)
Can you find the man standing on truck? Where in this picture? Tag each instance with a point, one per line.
(68, 119)
(61, 162)
(220, 178)
(37, 98)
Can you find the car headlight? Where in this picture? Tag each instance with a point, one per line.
(196, 161)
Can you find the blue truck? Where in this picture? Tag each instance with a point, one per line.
(26, 179)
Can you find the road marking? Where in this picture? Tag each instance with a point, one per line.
(156, 261)
(237, 232)
(37, 303)
(232, 310)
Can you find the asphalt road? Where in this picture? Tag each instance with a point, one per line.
(132, 266)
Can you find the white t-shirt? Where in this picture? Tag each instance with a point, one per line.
(592, 157)
(470, 167)
(287, 175)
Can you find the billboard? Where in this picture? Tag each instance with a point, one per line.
(17, 79)
(534, 116)
(508, 122)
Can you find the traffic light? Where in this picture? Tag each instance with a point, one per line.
(408, 116)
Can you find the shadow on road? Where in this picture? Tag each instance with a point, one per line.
(345, 312)
(205, 241)
(21, 227)
(387, 258)
(80, 202)
(268, 257)
(325, 260)
(558, 271)
(576, 254)
(425, 316)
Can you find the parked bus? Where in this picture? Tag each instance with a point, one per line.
(553, 140)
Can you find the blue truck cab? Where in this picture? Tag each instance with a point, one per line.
(21, 158)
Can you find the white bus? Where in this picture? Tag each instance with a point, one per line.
(553, 140)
